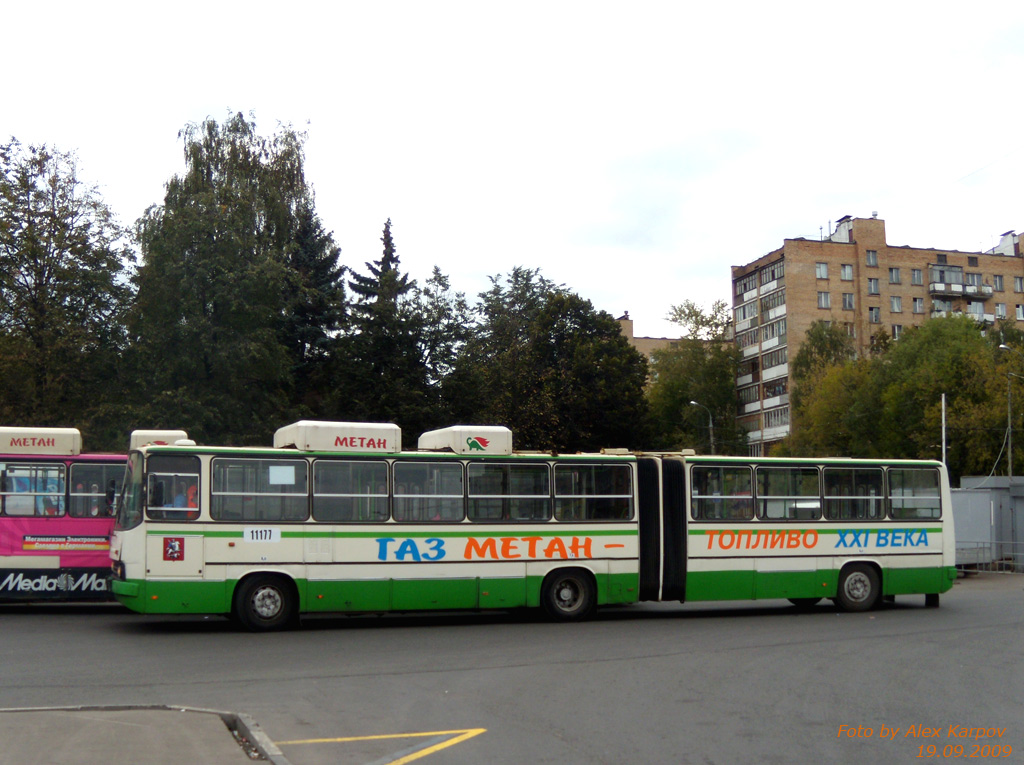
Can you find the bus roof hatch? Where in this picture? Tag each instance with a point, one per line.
(468, 439)
(140, 438)
(313, 436)
(63, 441)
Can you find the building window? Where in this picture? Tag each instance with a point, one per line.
(746, 311)
(846, 272)
(772, 272)
(773, 300)
(872, 257)
(894, 276)
(1018, 284)
(918, 305)
(775, 418)
(943, 306)
(875, 314)
(775, 329)
(851, 329)
(823, 300)
(746, 284)
(997, 283)
(821, 270)
(972, 279)
(1020, 313)
(972, 261)
(942, 274)
(896, 304)
(748, 395)
(1000, 310)
(847, 301)
(940, 259)
(916, 276)
(775, 358)
(897, 330)
(746, 339)
(872, 286)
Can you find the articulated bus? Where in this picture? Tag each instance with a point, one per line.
(336, 518)
(56, 514)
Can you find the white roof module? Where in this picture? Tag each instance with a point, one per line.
(469, 439)
(314, 436)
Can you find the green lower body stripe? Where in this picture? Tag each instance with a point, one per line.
(155, 596)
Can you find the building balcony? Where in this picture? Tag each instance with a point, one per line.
(983, 318)
(944, 289)
(980, 291)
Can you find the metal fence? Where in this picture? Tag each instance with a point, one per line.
(989, 556)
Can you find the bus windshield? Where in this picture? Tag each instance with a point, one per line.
(129, 504)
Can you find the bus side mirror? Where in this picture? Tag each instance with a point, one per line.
(111, 492)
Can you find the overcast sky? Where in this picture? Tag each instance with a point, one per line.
(631, 151)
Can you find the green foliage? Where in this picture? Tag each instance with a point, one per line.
(63, 292)
(890, 405)
(824, 345)
(234, 249)
(549, 366)
(386, 372)
(698, 324)
(699, 367)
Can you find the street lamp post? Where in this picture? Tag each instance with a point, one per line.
(1009, 445)
(1009, 414)
(711, 424)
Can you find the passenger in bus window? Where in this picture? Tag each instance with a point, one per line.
(111, 493)
(191, 496)
(94, 500)
(179, 495)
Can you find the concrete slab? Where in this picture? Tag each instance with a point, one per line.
(156, 735)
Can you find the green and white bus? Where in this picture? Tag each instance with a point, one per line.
(336, 518)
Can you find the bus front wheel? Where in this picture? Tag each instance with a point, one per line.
(569, 595)
(858, 588)
(265, 602)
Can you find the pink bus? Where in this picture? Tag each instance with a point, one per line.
(55, 515)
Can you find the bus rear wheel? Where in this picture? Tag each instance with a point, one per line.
(569, 595)
(265, 602)
(858, 588)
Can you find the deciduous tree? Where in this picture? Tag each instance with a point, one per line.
(64, 287)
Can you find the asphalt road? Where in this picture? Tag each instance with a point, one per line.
(664, 683)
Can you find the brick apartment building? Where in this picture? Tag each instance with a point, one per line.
(853, 279)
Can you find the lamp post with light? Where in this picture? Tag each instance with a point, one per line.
(711, 424)
(1009, 414)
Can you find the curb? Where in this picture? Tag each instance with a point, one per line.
(246, 731)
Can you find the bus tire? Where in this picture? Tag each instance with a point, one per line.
(569, 595)
(931, 600)
(265, 602)
(858, 587)
(804, 604)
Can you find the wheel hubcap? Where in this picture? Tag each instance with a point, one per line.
(857, 587)
(568, 595)
(266, 602)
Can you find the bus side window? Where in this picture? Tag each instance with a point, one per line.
(156, 496)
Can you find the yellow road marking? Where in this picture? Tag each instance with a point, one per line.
(459, 737)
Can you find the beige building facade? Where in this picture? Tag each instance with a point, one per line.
(646, 345)
(856, 280)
